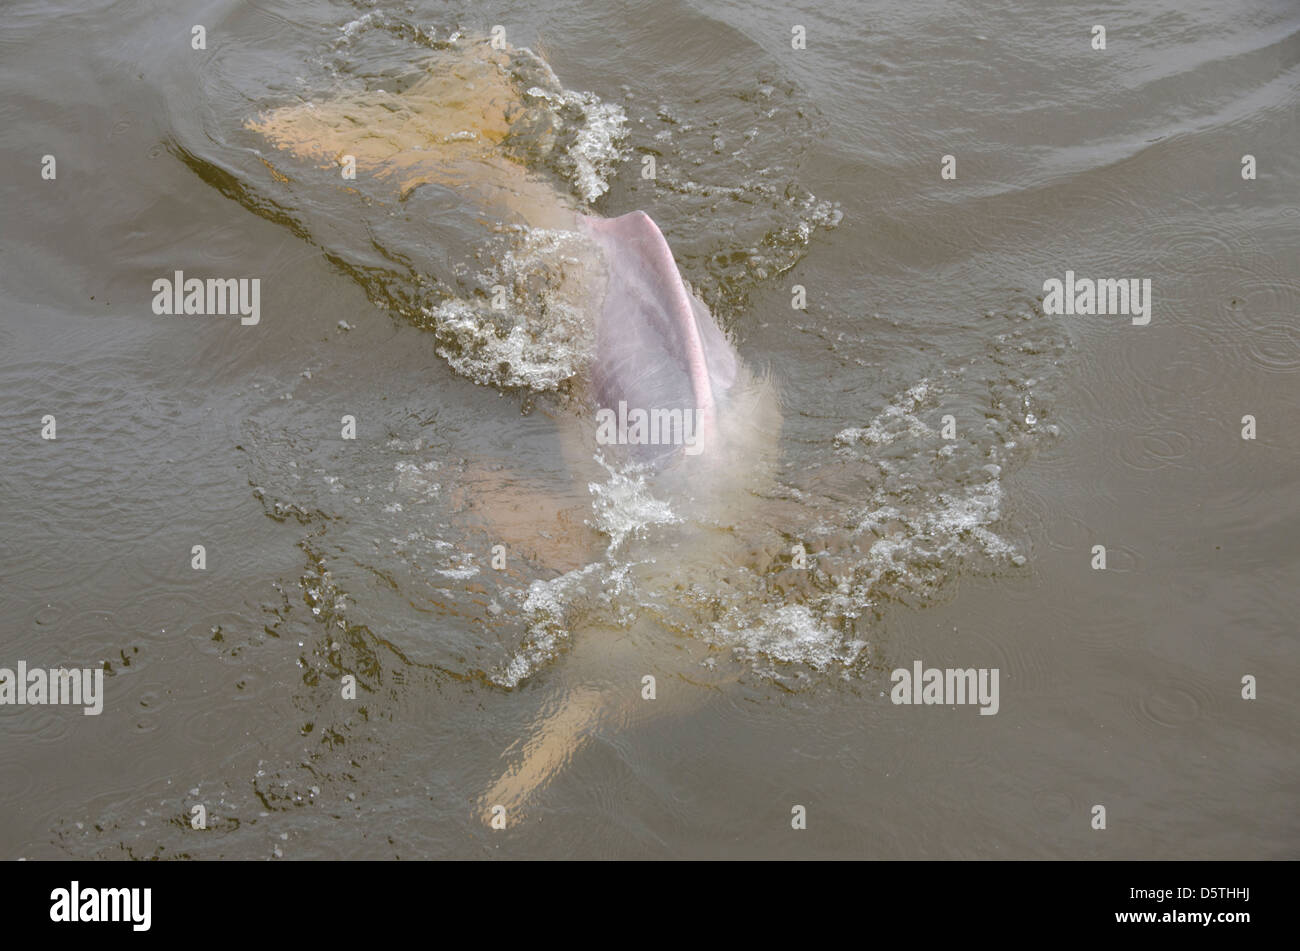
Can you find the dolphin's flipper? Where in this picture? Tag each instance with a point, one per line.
(657, 345)
(536, 519)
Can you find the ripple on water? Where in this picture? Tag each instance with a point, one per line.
(1257, 323)
(1170, 704)
(46, 724)
(1056, 806)
(1150, 451)
(17, 783)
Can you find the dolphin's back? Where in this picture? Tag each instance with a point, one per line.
(657, 345)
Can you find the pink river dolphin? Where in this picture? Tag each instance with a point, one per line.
(666, 390)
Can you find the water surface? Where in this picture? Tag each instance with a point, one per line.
(775, 167)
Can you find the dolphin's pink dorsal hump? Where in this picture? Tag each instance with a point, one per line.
(657, 345)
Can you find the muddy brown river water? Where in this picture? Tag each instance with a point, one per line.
(1098, 509)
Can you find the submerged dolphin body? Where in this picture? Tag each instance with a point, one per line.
(655, 346)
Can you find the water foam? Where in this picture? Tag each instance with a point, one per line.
(543, 336)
